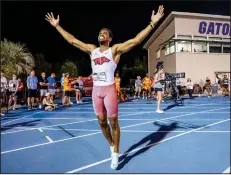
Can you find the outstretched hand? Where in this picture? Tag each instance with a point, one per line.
(51, 19)
(159, 14)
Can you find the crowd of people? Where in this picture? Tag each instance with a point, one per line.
(40, 91)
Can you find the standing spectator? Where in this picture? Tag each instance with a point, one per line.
(42, 88)
(52, 85)
(189, 86)
(3, 89)
(207, 87)
(13, 87)
(79, 93)
(20, 91)
(67, 90)
(32, 85)
(138, 85)
(62, 84)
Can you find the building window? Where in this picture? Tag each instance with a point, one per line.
(184, 37)
(199, 37)
(215, 47)
(226, 48)
(215, 39)
(184, 46)
(158, 54)
(200, 46)
(166, 49)
(172, 47)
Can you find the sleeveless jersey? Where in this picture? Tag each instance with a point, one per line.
(103, 67)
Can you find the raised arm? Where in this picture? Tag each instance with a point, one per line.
(126, 46)
(88, 48)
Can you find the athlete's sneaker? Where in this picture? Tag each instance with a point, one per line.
(114, 161)
(71, 103)
(134, 96)
(159, 111)
(138, 96)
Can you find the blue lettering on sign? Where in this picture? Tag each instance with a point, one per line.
(212, 28)
(202, 27)
(225, 29)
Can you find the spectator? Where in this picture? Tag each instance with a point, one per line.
(43, 82)
(32, 85)
(48, 103)
(79, 90)
(52, 85)
(3, 89)
(189, 86)
(62, 84)
(138, 85)
(20, 92)
(13, 87)
(67, 90)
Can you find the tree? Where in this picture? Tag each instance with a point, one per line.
(41, 65)
(69, 67)
(15, 58)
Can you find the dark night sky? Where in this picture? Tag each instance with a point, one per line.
(24, 22)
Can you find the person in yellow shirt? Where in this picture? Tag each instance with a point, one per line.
(67, 90)
(117, 84)
(146, 85)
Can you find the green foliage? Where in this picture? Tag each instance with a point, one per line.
(15, 58)
(69, 67)
(41, 65)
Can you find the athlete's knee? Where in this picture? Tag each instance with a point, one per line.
(102, 121)
(114, 123)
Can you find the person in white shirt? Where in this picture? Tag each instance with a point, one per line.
(3, 89)
(104, 60)
(189, 86)
(13, 87)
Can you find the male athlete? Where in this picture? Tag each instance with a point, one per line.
(104, 60)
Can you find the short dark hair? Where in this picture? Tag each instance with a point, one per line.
(109, 31)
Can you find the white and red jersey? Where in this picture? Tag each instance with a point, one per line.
(103, 67)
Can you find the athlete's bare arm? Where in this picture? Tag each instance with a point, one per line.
(128, 45)
(88, 48)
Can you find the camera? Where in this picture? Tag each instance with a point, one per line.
(171, 76)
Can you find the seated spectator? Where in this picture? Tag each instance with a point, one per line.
(48, 103)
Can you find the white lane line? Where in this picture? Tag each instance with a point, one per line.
(227, 171)
(29, 129)
(166, 112)
(40, 129)
(95, 130)
(164, 140)
(20, 118)
(177, 107)
(199, 119)
(32, 146)
(49, 139)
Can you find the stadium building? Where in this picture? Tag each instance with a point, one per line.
(197, 44)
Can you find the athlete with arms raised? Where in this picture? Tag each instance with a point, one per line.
(104, 60)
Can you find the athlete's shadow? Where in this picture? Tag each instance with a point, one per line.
(151, 140)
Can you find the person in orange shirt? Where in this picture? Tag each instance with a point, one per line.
(147, 84)
(117, 84)
(67, 90)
